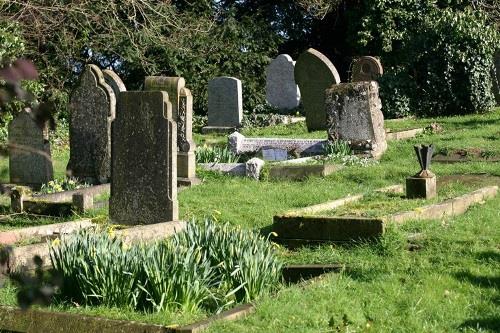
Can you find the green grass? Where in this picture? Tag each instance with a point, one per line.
(450, 284)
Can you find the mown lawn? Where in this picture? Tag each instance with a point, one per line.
(448, 281)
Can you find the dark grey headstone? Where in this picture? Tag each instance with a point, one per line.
(314, 73)
(281, 90)
(92, 109)
(30, 161)
(354, 114)
(144, 156)
(225, 102)
(496, 78)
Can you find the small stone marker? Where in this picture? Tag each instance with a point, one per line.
(144, 157)
(274, 154)
(354, 114)
(281, 90)
(182, 112)
(423, 184)
(114, 81)
(366, 69)
(314, 73)
(225, 105)
(92, 108)
(30, 161)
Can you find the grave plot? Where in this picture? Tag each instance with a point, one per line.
(366, 216)
(450, 155)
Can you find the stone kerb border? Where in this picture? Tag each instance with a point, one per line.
(303, 227)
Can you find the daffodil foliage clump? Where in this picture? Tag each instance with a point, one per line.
(206, 267)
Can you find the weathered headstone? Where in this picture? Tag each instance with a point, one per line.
(92, 108)
(314, 73)
(182, 113)
(144, 157)
(225, 104)
(281, 90)
(30, 161)
(496, 78)
(114, 81)
(366, 69)
(354, 114)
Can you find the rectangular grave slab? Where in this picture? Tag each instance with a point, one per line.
(274, 154)
(239, 144)
(354, 114)
(225, 104)
(144, 160)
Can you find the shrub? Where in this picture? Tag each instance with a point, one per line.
(60, 185)
(338, 148)
(215, 154)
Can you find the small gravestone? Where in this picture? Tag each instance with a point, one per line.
(144, 160)
(423, 184)
(354, 114)
(314, 73)
(366, 69)
(274, 154)
(281, 90)
(114, 81)
(182, 112)
(30, 161)
(92, 108)
(225, 105)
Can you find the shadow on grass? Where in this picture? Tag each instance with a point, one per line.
(491, 324)
(489, 256)
(482, 281)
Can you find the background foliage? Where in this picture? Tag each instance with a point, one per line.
(437, 54)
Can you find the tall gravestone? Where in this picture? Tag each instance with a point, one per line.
(366, 69)
(182, 113)
(314, 73)
(30, 161)
(144, 156)
(281, 90)
(354, 114)
(225, 105)
(92, 108)
(114, 81)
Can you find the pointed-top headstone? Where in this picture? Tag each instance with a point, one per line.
(366, 69)
(30, 161)
(92, 108)
(114, 81)
(281, 90)
(314, 73)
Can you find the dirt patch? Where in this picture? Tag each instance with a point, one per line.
(465, 155)
(478, 180)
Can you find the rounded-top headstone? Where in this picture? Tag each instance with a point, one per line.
(314, 73)
(281, 90)
(366, 69)
(114, 81)
(225, 102)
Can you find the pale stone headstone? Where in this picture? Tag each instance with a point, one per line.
(30, 161)
(366, 69)
(225, 104)
(144, 160)
(354, 114)
(114, 81)
(182, 112)
(92, 109)
(314, 73)
(281, 90)
(253, 167)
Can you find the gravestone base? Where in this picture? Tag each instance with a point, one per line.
(218, 129)
(421, 187)
(186, 169)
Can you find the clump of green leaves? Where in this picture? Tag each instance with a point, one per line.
(207, 266)
(215, 154)
(60, 185)
(338, 147)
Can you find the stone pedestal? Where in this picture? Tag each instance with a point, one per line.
(421, 187)
(186, 169)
